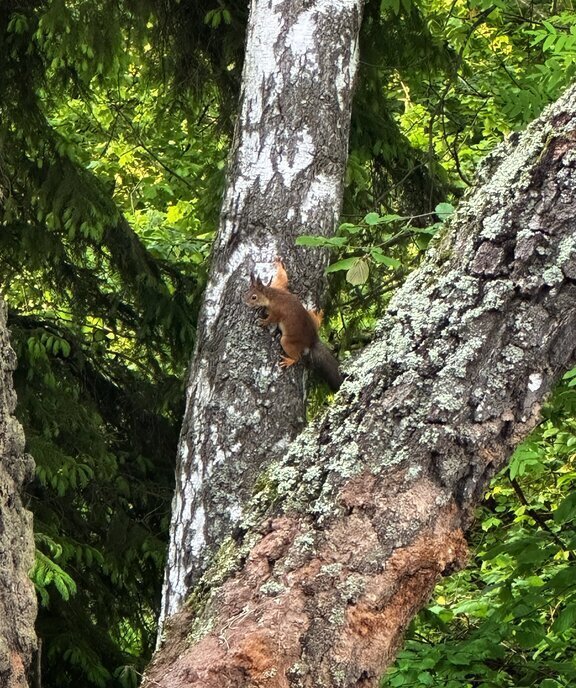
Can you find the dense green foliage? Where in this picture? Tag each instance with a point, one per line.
(109, 196)
(115, 119)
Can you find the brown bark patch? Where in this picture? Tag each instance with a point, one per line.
(374, 626)
(257, 655)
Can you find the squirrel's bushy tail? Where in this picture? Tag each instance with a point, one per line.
(322, 359)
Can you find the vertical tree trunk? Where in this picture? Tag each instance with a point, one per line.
(17, 596)
(285, 178)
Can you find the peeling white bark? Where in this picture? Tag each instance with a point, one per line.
(285, 179)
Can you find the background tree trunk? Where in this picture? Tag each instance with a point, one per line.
(369, 505)
(285, 178)
(17, 596)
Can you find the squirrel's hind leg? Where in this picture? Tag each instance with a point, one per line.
(292, 350)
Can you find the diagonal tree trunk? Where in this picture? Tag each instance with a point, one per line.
(285, 178)
(347, 534)
(17, 596)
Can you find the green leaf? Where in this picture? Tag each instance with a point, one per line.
(386, 219)
(65, 348)
(350, 228)
(344, 264)
(566, 619)
(358, 273)
(337, 241)
(425, 678)
(398, 680)
(444, 210)
(311, 240)
(566, 510)
(529, 634)
(379, 257)
(570, 374)
(372, 219)
(459, 658)
(526, 458)
(563, 580)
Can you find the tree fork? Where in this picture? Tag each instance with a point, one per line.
(369, 505)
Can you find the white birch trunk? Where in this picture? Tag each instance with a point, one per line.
(285, 178)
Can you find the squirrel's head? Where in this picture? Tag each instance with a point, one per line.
(255, 296)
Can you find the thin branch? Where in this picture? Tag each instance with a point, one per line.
(536, 516)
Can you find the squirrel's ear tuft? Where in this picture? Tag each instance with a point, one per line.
(252, 278)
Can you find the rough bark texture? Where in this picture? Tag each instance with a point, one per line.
(285, 179)
(351, 529)
(17, 596)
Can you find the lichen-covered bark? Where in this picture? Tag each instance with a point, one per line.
(17, 597)
(285, 178)
(352, 528)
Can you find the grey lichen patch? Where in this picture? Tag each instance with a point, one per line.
(302, 549)
(504, 172)
(254, 420)
(402, 345)
(272, 588)
(200, 627)
(324, 507)
(414, 471)
(260, 503)
(199, 603)
(496, 294)
(493, 225)
(225, 561)
(466, 287)
(346, 463)
(270, 673)
(443, 498)
(566, 250)
(432, 436)
(296, 671)
(313, 474)
(513, 354)
(331, 570)
(553, 275)
(458, 364)
(286, 477)
(361, 370)
(387, 459)
(339, 676)
(352, 588)
(303, 448)
(337, 616)
(305, 542)
(423, 320)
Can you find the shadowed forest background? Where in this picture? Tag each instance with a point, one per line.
(115, 124)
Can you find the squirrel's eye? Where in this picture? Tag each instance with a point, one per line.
(253, 297)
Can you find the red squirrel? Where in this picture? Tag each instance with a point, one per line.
(299, 327)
